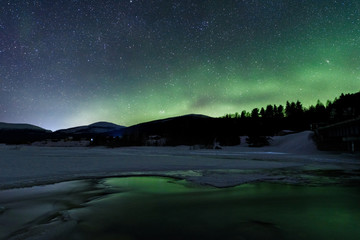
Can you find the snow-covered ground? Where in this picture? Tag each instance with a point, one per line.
(290, 158)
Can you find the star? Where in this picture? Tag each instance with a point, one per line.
(169, 58)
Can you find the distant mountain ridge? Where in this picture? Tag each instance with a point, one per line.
(20, 126)
(186, 129)
(13, 133)
(98, 127)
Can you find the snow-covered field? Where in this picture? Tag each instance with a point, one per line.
(291, 158)
(57, 211)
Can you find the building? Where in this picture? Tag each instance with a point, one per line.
(339, 136)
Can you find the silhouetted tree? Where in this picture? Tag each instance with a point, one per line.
(262, 112)
(280, 112)
(244, 114)
(299, 108)
(255, 113)
(289, 109)
(275, 110)
(321, 113)
(294, 110)
(269, 112)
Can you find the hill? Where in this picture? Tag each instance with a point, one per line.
(13, 133)
(97, 128)
(182, 130)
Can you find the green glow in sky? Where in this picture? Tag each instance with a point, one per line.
(132, 62)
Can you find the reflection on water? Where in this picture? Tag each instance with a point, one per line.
(164, 208)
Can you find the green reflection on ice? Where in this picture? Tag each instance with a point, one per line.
(164, 208)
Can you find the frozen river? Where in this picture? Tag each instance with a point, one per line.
(284, 161)
(285, 191)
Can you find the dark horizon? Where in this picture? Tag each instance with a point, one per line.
(240, 113)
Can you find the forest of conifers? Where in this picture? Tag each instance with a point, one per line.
(297, 117)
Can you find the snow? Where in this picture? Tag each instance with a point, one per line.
(32, 165)
(296, 143)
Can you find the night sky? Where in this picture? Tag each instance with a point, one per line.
(69, 63)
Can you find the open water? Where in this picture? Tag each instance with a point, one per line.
(166, 208)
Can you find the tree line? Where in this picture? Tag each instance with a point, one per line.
(347, 106)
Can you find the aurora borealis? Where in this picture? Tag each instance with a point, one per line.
(68, 63)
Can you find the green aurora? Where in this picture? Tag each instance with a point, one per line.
(71, 64)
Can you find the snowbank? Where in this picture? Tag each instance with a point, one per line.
(295, 143)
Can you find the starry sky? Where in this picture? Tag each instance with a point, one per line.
(65, 63)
